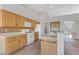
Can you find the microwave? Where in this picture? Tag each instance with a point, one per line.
(27, 24)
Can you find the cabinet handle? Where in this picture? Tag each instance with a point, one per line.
(13, 38)
(16, 23)
(54, 42)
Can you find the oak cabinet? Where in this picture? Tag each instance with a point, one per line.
(55, 24)
(22, 41)
(12, 44)
(16, 45)
(20, 21)
(8, 19)
(34, 24)
(48, 48)
(36, 36)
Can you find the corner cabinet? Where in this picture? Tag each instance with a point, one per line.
(7, 19)
(34, 23)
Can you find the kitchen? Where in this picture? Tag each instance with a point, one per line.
(27, 29)
(14, 38)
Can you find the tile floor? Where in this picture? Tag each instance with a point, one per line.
(32, 49)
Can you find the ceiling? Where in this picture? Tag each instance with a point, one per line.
(53, 10)
(44, 12)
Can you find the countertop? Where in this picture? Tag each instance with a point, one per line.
(11, 34)
(47, 39)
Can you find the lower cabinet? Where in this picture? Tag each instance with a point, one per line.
(48, 48)
(22, 41)
(15, 43)
(10, 47)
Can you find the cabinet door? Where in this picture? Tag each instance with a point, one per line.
(10, 46)
(8, 19)
(4, 19)
(48, 48)
(0, 18)
(22, 41)
(43, 47)
(51, 48)
(33, 24)
(16, 44)
(20, 21)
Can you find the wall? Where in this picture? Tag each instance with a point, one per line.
(60, 43)
(71, 17)
(42, 29)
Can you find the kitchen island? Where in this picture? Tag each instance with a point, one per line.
(53, 45)
(48, 46)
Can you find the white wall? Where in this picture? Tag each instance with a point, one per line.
(42, 29)
(68, 17)
(77, 30)
(60, 43)
(71, 17)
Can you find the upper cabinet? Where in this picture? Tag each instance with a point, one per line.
(20, 21)
(55, 26)
(33, 22)
(7, 19)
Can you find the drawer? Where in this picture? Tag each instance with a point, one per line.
(21, 36)
(10, 40)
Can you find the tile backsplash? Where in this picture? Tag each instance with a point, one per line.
(6, 30)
